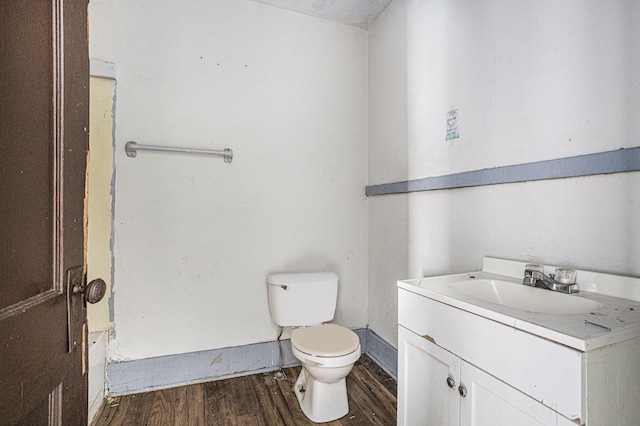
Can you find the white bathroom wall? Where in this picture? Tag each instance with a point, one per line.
(388, 156)
(531, 81)
(195, 237)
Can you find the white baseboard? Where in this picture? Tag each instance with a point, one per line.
(97, 371)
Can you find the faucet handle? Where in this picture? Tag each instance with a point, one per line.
(533, 267)
(566, 276)
(532, 270)
(531, 273)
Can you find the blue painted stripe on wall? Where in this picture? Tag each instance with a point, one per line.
(618, 161)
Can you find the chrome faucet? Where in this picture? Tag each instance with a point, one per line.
(534, 276)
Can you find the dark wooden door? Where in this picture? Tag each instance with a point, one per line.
(44, 122)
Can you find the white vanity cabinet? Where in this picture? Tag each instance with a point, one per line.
(424, 369)
(435, 387)
(459, 365)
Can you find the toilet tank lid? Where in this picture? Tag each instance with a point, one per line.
(301, 277)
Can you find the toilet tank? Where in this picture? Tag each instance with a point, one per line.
(302, 299)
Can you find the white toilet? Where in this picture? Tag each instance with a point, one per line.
(327, 351)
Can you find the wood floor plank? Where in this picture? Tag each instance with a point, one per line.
(140, 407)
(375, 395)
(218, 405)
(264, 385)
(162, 408)
(189, 406)
(245, 398)
(367, 409)
(379, 375)
(256, 400)
(277, 396)
(113, 412)
(250, 420)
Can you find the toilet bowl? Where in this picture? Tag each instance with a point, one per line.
(306, 302)
(327, 353)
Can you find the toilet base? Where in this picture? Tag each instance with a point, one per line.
(321, 402)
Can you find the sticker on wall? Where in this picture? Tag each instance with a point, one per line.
(453, 124)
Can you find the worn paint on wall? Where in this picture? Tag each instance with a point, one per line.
(99, 172)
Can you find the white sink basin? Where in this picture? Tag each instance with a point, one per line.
(524, 297)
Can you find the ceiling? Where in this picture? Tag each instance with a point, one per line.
(357, 13)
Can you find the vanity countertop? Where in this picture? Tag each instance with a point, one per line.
(616, 320)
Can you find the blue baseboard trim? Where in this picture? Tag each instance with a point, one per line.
(195, 367)
(618, 161)
(163, 372)
(385, 355)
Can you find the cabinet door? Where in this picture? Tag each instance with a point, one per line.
(425, 397)
(488, 401)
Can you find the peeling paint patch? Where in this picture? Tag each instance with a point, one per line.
(217, 360)
(429, 338)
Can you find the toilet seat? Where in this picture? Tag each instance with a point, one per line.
(328, 340)
(328, 345)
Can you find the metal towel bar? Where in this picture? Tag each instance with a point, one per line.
(131, 148)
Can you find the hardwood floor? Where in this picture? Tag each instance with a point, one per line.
(258, 399)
